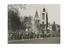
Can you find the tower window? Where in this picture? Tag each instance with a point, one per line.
(43, 15)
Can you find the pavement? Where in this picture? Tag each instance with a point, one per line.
(48, 40)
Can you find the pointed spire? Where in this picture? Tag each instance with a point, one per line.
(36, 14)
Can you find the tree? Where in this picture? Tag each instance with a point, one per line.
(54, 26)
(14, 20)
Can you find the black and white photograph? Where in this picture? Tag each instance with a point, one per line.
(33, 24)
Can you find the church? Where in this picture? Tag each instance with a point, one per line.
(41, 22)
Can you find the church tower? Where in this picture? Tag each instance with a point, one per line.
(36, 18)
(44, 22)
(44, 15)
(36, 22)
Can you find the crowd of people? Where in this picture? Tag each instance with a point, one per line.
(17, 35)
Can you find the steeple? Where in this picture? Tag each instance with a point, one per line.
(36, 14)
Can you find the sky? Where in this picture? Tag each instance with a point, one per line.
(52, 9)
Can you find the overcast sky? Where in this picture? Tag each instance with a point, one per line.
(30, 10)
(52, 9)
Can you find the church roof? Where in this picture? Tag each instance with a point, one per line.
(36, 14)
